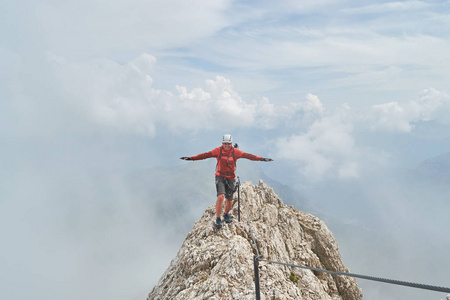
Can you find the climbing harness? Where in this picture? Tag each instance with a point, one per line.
(228, 162)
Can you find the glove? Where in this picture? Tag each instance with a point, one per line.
(267, 159)
(185, 158)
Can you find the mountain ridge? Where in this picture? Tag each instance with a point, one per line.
(218, 263)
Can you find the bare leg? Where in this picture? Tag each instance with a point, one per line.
(219, 204)
(228, 205)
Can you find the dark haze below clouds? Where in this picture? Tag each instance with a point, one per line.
(99, 217)
(91, 213)
(72, 227)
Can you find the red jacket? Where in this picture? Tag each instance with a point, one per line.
(227, 164)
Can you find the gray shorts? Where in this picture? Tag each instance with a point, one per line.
(225, 186)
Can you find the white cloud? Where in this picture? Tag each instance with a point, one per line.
(267, 114)
(270, 116)
(391, 116)
(122, 97)
(432, 105)
(143, 63)
(327, 149)
(215, 106)
(313, 104)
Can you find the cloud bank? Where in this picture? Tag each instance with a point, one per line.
(319, 140)
(432, 105)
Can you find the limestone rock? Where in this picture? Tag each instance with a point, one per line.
(218, 263)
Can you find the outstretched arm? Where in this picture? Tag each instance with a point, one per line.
(242, 154)
(212, 153)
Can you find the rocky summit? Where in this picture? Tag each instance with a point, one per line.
(219, 263)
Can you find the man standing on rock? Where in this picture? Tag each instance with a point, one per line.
(225, 173)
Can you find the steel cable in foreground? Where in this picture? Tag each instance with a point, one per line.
(258, 258)
(391, 281)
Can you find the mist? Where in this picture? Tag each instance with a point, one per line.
(73, 229)
(99, 100)
(78, 225)
(393, 224)
(96, 205)
(97, 208)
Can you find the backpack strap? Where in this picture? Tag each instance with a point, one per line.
(220, 156)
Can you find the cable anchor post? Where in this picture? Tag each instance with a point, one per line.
(256, 269)
(239, 198)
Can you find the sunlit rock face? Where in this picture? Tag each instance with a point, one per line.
(219, 263)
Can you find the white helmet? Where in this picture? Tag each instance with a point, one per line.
(227, 138)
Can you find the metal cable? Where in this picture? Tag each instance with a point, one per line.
(391, 281)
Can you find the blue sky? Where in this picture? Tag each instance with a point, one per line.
(332, 90)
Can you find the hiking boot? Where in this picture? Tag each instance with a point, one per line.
(227, 218)
(218, 223)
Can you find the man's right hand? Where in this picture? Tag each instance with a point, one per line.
(185, 158)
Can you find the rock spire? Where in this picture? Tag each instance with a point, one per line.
(218, 263)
